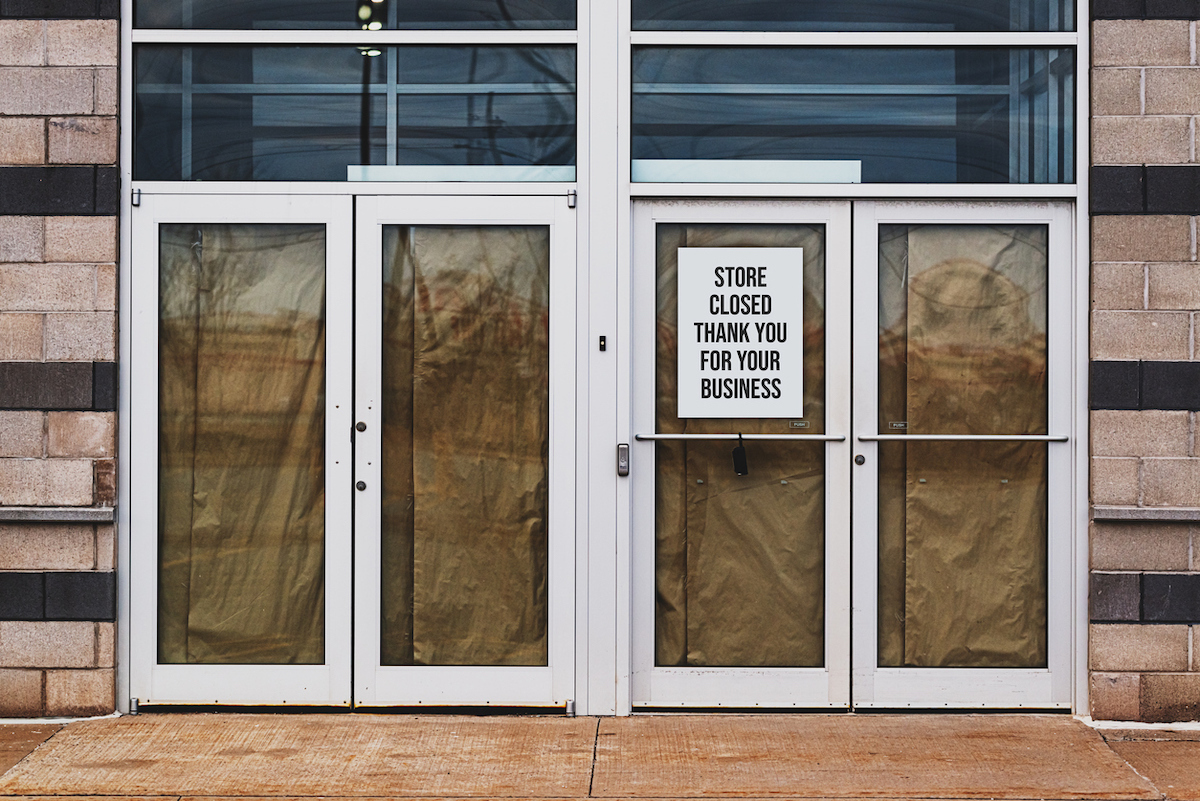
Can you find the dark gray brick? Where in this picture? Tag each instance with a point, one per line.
(21, 596)
(1116, 385)
(1170, 385)
(104, 386)
(48, 385)
(1171, 597)
(1115, 596)
(1118, 190)
(81, 596)
(47, 190)
(60, 9)
(1118, 9)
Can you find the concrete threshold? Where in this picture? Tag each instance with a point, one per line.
(203, 756)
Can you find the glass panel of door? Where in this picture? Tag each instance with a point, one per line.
(962, 405)
(464, 393)
(242, 466)
(957, 554)
(461, 463)
(741, 519)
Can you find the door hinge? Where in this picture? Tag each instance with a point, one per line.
(572, 197)
(135, 197)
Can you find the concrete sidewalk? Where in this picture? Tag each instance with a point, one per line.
(667, 756)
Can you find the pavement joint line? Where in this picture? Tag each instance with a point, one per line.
(595, 750)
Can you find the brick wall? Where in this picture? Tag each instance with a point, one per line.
(1145, 458)
(58, 294)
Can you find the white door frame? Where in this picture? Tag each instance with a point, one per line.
(554, 684)
(151, 682)
(828, 686)
(933, 688)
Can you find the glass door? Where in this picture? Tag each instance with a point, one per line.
(962, 476)
(741, 505)
(464, 451)
(241, 473)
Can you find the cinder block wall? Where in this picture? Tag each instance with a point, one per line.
(1145, 458)
(58, 294)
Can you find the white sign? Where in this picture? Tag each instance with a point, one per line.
(741, 332)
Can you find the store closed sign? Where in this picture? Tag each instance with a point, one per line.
(741, 332)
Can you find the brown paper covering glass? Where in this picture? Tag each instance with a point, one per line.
(740, 560)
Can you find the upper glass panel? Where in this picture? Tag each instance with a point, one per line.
(875, 114)
(315, 113)
(854, 15)
(343, 14)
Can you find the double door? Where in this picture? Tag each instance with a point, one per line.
(356, 450)
(353, 451)
(850, 422)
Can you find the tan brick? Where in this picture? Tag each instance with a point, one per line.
(47, 644)
(1133, 433)
(21, 434)
(85, 434)
(82, 140)
(1115, 482)
(106, 547)
(46, 482)
(1116, 91)
(81, 336)
(1118, 286)
(1171, 482)
(1135, 238)
(106, 648)
(22, 43)
(106, 482)
(79, 692)
(47, 547)
(81, 239)
(1141, 140)
(22, 696)
(1140, 546)
(1137, 335)
(47, 287)
(21, 239)
(1173, 90)
(21, 337)
(1170, 698)
(1125, 647)
(22, 140)
(1174, 286)
(1139, 43)
(42, 90)
(106, 287)
(107, 90)
(76, 43)
(1115, 696)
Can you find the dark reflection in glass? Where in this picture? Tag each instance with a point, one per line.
(324, 14)
(237, 113)
(854, 15)
(962, 525)
(911, 115)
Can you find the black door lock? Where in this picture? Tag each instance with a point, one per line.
(739, 459)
